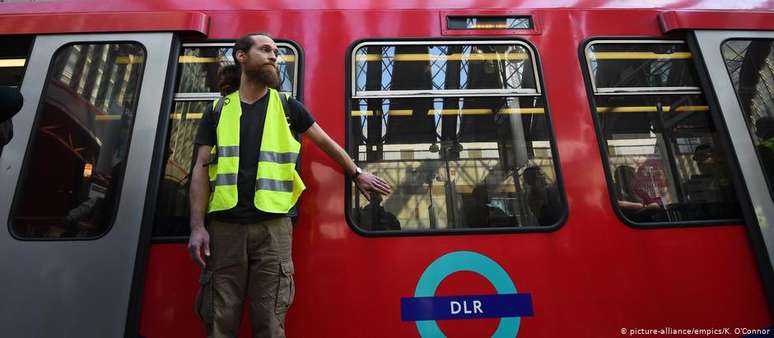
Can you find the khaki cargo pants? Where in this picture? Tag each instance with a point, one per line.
(247, 262)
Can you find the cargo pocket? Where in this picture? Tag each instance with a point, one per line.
(286, 289)
(205, 297)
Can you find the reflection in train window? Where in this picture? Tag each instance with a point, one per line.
(197, 88)
(661, 145)
(750, 64)
(199, 65)
(76, 161)
(460, 131)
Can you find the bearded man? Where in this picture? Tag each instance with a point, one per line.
(245, 181)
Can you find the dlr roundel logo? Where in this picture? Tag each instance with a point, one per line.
(425, 308)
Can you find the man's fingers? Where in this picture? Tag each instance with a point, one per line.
(196, 254)
(385, 186)
(382, 187)
(199, 259)
(364, 192)
(206, 244)
(381, 182)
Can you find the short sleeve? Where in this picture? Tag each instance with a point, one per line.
(205, 134)
(300, 117)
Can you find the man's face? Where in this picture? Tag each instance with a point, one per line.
(260, 61)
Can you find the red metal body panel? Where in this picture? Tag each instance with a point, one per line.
(590, 278)
(673, 20)
(104, 22)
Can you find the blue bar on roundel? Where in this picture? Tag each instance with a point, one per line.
(466, 307)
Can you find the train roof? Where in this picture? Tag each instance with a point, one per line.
(238, 5)
(195, 15)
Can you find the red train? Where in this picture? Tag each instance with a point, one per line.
(561, 169)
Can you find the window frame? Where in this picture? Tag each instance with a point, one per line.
(32, 141)
(209, 97)
(350, 92)
(601, 141)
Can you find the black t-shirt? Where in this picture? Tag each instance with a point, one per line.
(250, 135)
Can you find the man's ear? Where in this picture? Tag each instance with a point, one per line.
(240, 54)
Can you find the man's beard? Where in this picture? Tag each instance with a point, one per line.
(266, 74)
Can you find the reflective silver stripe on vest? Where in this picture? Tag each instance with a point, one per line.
(270, 156)
(226, 179)
(273, 185)
(228, 151)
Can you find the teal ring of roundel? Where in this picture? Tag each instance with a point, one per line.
(465, 261)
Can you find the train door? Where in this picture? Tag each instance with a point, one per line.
(73, 182)
(740, 65)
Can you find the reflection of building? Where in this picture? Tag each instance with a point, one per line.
(86, 115)
(439, 120)
(752, 74)
(100, 74)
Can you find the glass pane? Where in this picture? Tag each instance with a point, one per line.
(454, 162)
(663, 149)
(199, 68)
(665, 159)
(77, 157)
(172, 211)
(750, 64)
(641, 66)
(473, 67)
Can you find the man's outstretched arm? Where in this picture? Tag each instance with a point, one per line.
(366, 182)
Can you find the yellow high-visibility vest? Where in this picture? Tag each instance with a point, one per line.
(277, 185)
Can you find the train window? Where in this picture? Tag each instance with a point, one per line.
(661, 146)
(750, 64)
(460, 131)
(197, 87)
(77, 155)
(199, 65)
(13, 58)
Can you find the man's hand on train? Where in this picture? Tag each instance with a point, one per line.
(367, 182)
(198, 242)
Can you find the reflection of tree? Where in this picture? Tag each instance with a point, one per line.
(756, 80)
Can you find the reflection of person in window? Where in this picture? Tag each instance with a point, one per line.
(229, 79)
(628, 200)
(85, 219)
(712, 185)
(485, 213)
(374, 217)
(764, 129)
(542, 198)
(651, 184)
